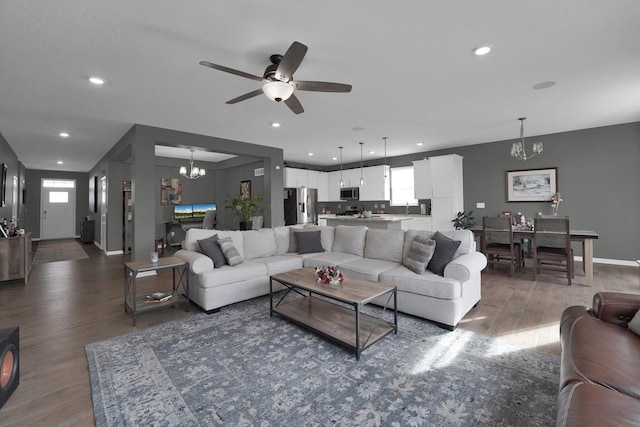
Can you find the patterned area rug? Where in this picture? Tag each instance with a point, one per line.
(239, 367)
(59, 250)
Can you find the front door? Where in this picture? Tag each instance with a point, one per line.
(58, 214)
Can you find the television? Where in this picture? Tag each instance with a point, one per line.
(182, 212)
(199, 209)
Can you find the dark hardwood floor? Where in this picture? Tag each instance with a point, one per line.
(69, 304)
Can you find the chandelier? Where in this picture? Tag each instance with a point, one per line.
(194, 173)
(518, 150)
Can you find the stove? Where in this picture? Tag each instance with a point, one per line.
(350, 211)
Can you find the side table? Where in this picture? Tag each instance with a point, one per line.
(136, 304)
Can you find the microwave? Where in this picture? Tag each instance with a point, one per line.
(350, 193)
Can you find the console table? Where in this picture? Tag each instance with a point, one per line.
(16, 257)
(136, 304)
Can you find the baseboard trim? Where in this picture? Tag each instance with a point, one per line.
(610, 261)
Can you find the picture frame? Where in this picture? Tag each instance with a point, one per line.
(245, 189)
(170, 191)
(531, 185)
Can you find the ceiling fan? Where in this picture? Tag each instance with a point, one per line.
(278, 79)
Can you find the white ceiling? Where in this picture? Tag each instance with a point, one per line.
(410, 63)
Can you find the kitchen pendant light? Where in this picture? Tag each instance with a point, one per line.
(341, 180)
(361, 178)
(384, 171)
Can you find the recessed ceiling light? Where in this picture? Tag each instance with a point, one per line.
(372, 152)
(64, 134)
(334, 158)
(96, 80)
(60, 162)
(309, 154)
(419, 144)
(357, 128)
(275, 124)
(481, 50)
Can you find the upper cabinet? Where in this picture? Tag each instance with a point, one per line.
(376, 186)
(333, 187)
(295, 177)
(422, 179)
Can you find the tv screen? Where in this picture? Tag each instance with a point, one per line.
(199, 209)
(182, 212)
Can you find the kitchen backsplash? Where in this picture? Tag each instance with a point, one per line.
(337, 207)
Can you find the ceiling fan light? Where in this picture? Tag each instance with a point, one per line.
(277, 91)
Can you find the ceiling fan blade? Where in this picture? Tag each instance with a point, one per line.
(231, 71)
(294, 104)
(245, 96)
(321, 86)
(291, 61)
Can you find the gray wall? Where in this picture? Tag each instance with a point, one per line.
(14, 168)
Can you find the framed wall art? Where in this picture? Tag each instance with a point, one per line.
(245, 189)
(170, 191)
(3, 185)
(532, 185)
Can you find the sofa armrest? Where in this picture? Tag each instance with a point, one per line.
(465, 265)
(197, 262)
(615, 307)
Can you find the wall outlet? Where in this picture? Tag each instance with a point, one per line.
(480, 205)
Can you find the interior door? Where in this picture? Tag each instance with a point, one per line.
(58, 214)
(103, 213)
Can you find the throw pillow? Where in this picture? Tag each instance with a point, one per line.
(445, 249)
(420, 252)
(634, 325)
(230, 252)
(308, 241)
(211, 249)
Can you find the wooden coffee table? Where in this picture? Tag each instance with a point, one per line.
(348, 326)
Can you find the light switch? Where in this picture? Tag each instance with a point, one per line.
(480, 205)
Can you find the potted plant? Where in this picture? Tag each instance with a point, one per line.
(463, 221)
(246, 208)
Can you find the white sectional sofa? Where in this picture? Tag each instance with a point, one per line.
(356, 251)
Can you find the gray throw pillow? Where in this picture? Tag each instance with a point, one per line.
(211, 249)
(420, 252)
(309, 241)
(634, 325)
(445, 249)
(230, 252)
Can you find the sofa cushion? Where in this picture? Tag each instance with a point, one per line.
(280, 263)
(308, 241)
(282, 237)
(293, 243)
(258, 243)
(226, 275)
(427, 284)
(366, 268)
(420, 252)
(193, 235)
(467, 242)
(230, 252)
(211, 249)
(349, 239)
(444, 253)
(384, 244)
(329, 258)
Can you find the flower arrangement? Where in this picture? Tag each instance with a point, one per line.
(329, 275)
(555, 202)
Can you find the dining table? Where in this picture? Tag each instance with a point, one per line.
(585, 237)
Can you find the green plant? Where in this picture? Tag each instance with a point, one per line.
(245, 208)
(463, 220)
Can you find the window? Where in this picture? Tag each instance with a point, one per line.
(402, 187)
(58, 197)
(58, 183)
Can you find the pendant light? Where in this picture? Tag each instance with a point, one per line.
(518, 150)
(361, 178)
(384, 171)
(193, 172)
(341, 180)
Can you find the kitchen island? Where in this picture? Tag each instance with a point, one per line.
(386, 222)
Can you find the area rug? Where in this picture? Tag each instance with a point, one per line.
(59, 250)
(240, 367)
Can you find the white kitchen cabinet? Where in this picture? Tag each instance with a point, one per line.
(422, 179)
(439, 178)
(295, 177)
(351, 177)
(313, 177)
(323, 187)
(375, 187)
(333, 186)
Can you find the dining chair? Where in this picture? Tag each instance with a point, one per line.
(209, 221)
(552, 246)
(498, 244)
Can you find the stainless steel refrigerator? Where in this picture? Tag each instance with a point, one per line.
(300, 206)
